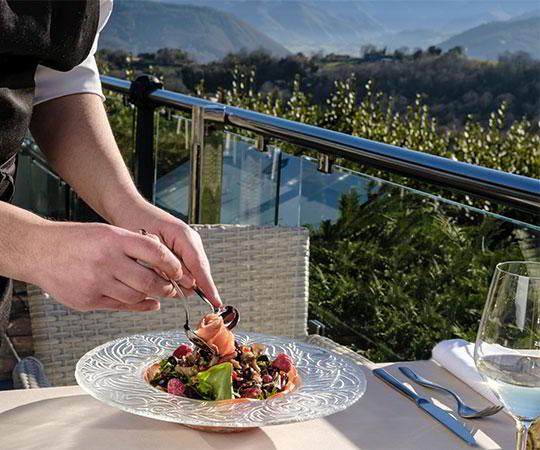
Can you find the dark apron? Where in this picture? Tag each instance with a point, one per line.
(54, 33)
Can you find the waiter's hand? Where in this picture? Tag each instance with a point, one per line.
(94, 266)
(184, 242)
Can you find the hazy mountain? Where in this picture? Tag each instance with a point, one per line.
(305, 25)
(448, 16)
(344, 26)
(207, 34)
(490, 40)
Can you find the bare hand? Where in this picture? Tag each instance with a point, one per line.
(184, 242)
(94, 266)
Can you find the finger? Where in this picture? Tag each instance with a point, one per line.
(144, 280)
(201, 272)
(109, 303)
(124, 293)
(188, 280)
(153, 253)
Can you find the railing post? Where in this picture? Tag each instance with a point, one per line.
(206, 168)
(197, 144)
(325, 163)
(144, 161)
(278, 157)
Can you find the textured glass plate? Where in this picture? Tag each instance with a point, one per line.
(113, 373)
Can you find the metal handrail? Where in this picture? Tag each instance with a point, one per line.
(517, 190)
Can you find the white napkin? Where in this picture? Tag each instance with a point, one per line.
(457, 356)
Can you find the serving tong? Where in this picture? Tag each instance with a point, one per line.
(229, 314)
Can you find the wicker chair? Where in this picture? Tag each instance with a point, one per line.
(261, 270)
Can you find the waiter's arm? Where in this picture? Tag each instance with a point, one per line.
(74, 133)
(84, 266)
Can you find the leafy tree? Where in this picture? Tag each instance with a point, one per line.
(398, 272)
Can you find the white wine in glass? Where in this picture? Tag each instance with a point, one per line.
(507, 350)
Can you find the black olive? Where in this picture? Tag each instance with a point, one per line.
(162, 382)
(263, 358)
(205, 355)
(172, 360)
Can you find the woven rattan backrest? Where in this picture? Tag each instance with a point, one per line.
(263, 271)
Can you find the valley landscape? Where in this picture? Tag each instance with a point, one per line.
(209, 29)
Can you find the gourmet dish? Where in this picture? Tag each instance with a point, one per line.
(232, 372)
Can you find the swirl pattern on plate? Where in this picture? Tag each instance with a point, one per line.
(114, 374)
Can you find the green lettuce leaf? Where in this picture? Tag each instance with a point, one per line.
(216, 382)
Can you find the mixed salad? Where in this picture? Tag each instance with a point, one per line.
(235, 371)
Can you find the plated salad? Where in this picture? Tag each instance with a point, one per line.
(236, 373)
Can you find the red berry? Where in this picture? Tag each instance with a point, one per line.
(182, 350)
(251, 393)
(175, 387)
(267, 379)
(283, 362)
(234, 376)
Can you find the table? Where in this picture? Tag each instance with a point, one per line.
(67, 418)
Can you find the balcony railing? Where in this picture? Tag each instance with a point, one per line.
(414, 241)
(470, 179)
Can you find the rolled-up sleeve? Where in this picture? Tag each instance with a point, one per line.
(84, 78)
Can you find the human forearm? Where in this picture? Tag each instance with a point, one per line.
(21, 237)
(74, 134)
(85, 265)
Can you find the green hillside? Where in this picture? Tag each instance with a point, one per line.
(207, 34)
(492, 39)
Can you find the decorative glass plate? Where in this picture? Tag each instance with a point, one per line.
(114, 374)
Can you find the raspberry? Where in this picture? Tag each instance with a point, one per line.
(251, 393)
(283, 362)
(175, 387)
(267, 379)
(182, 350)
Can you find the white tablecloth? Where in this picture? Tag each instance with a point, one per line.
(67, 418)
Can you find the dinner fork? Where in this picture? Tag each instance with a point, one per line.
(463, 410)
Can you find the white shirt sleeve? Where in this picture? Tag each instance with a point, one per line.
(83, 78)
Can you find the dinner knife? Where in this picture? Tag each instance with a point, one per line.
(434, 411)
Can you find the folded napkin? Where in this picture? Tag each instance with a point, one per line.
(457, 356)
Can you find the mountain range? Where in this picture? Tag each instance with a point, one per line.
(213, 28)
(344, 26)
(205, 33)
(490, 40)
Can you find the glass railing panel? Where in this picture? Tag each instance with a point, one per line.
(308, 196)
(121, 116)
(239, 182)
(249, 183)
(173, 171)
(47, 195)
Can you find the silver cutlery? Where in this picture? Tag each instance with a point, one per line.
(463, 410)
(229, 314)
(425, 405)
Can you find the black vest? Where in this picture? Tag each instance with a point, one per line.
(54, 33)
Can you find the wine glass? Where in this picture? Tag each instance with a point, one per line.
(507, 350)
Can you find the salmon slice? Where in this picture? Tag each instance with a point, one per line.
(212, 329)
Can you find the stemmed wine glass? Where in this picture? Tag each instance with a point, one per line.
(507, 350)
